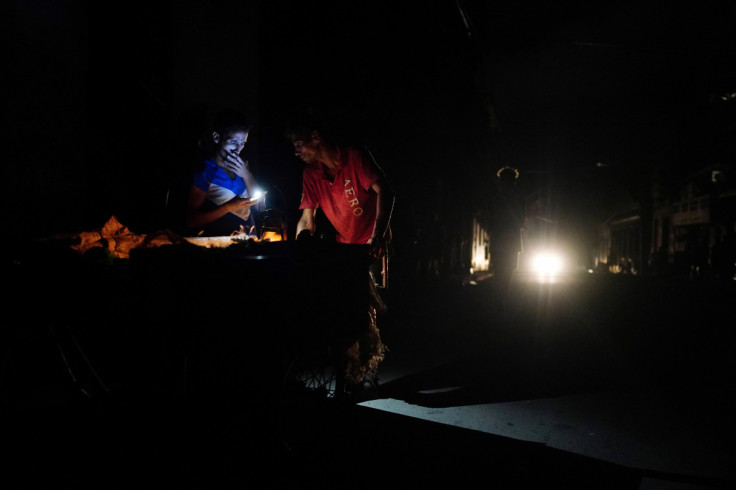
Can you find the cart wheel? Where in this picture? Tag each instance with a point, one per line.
(311, 378)
(311, 402)
(315, 376)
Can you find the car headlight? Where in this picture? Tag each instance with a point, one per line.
(547, 264)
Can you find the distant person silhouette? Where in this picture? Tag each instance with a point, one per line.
(505, 221)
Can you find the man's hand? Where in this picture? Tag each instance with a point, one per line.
(304, 235)
(378, 246)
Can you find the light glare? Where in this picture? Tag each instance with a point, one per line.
(547, 264)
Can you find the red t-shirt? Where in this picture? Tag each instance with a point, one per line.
(348, 201)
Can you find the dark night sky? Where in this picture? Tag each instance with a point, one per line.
(109, 97)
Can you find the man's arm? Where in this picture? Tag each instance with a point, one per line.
(384, 205)
(306, 222)
(384, 209)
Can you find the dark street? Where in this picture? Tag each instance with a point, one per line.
(184, 264)
(596, 381)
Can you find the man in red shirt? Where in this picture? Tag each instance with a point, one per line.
(349, 187)
(353, 192)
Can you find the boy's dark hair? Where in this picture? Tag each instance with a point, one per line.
(229, 120)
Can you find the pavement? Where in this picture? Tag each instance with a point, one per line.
(625, 382)
(602, 382)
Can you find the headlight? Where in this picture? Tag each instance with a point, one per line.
(547, 264)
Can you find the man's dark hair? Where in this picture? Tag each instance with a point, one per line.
(507, 174)
(302, 126)
(320, 117)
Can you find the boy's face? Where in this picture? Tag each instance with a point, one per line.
(231, 142)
